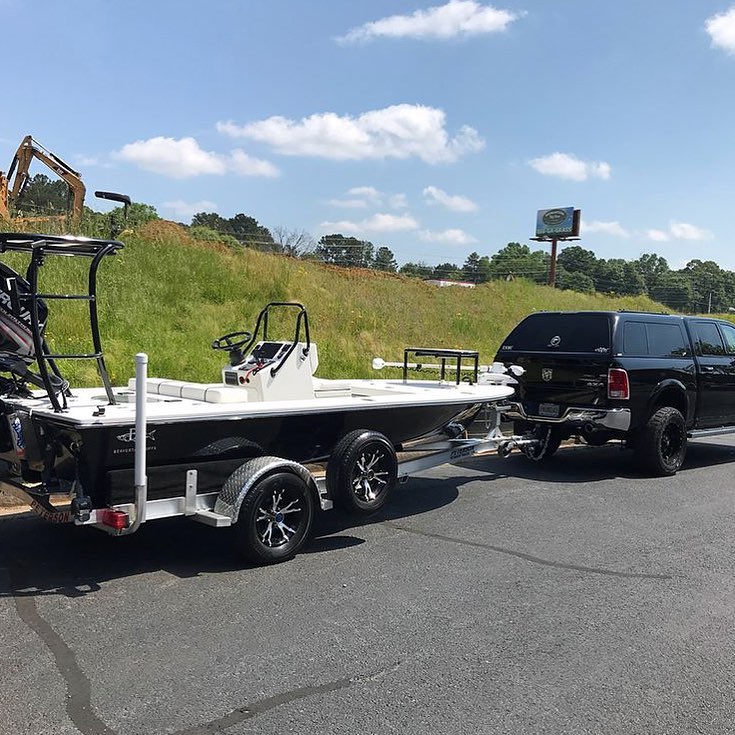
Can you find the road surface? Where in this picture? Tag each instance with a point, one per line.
(495, 596)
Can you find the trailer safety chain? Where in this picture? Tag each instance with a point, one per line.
(535, 450)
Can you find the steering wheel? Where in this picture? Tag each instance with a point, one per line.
(232, 341)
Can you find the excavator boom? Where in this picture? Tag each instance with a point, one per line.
(27, 151)
(4, 213)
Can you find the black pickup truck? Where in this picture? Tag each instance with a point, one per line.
(652, 380)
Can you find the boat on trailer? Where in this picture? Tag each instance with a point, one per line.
(260, 449)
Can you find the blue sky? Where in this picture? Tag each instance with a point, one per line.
(435, 128)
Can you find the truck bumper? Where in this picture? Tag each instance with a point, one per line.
(613, 419)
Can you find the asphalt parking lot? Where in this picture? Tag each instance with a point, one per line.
(495, 596)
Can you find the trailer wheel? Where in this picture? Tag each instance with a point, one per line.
(275, 518)
(362, 472)
(662, 444)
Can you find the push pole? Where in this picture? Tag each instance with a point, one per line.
(141, 432)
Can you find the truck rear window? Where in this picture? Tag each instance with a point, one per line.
(561, 333)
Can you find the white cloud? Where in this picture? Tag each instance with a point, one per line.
(361, 197)
(399, 131)
(684, 231)
(679, 231)
(609, 228)
(721, 29)
(566, 166)
(452, 235)
(657, 235)
(455, 203)
(376, 223)
(370, 193)
(189, 209)
(456, 18)
(184, 158)
(179, 159)
(244, 165)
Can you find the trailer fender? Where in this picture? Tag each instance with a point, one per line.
(246, 476)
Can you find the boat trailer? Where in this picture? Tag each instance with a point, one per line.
(222, 509)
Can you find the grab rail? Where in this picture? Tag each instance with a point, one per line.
(302, 317)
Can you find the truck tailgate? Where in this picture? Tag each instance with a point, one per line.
(552, 382)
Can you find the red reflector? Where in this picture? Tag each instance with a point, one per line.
(116, 519)
(617, 384)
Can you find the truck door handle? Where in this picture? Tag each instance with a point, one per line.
(708, 368)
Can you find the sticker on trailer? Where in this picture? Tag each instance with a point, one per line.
(52, 516)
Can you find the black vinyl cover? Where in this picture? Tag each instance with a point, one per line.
(16, 335)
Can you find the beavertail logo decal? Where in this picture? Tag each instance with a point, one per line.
(547, 374)
(129, 436)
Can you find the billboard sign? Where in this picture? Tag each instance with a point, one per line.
(557, 222)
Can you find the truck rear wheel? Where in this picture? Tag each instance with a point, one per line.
(662, 444)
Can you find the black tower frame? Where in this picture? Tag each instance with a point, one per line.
(38, 247)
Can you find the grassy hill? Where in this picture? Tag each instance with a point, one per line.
(169, 295)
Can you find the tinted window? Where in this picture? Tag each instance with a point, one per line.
(728, 333)
(708, 338)
(635, 341)
(666, 340)
(562, 333)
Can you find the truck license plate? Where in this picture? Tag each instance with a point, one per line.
(550, 410)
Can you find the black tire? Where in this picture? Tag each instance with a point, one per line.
(662, 444)
(362, 472)
(550, 440)
(275, 518)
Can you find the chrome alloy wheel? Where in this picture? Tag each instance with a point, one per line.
(371, 475)
(275, 521)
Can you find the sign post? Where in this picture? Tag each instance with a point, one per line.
(560, 224)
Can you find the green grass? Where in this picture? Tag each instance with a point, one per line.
(169, 295)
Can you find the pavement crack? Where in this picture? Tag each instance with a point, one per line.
(264, 705)
(529, 557)
(78, 688)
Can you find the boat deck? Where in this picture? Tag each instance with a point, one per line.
(172, 401)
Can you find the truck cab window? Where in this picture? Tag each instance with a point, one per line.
(666, 340)
(728, 333)
(709, 341)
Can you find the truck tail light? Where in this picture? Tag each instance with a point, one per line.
(116, 519)
(617, 384)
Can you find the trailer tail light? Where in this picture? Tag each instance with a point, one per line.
(116, 519)
(617, 384)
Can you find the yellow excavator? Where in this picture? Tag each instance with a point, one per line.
(17, 178)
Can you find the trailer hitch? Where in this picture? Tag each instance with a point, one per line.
(506, 446)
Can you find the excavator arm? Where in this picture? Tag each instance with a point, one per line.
(4, 212)
(27, 151)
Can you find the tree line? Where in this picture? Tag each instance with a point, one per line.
(700, 286)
